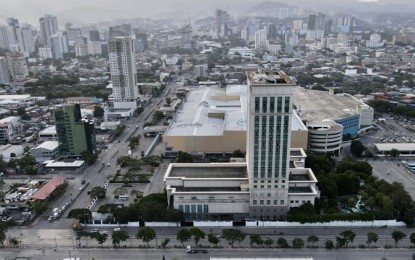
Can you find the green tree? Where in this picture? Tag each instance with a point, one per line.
(98, 111)
(394, 153)
(233, 235)
(39, 206)
(213, 239)
(298, 243)
(328, 244)
(256, 239)
(268, 242)
(412, 238)
(312, 239)
(238, 154)
(282, 243)
(81, 214)
(3, 230)
(357, 148)
(398, 236)
(371, 238)
(197, 234)
(98, 192)
(184, 157)
(119, 236)
(165, 242)
(146, 234)
(89, 157)
(183, 235)
(341, 242)
(100, 237)
(349, 236)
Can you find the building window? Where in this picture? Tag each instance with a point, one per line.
(264, 105)
(254, 202)
(282, 202)
(186, 209)
(181, 208)
(261, 202)
(268, 202)
(275, 202)
(272, 104)
(256, 104)
(205, 208)
(193, 208)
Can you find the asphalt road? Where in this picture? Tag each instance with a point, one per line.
(95, 177)
(169, 254)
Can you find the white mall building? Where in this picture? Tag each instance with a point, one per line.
(273, 178)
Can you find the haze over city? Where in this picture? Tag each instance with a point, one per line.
(90, 11)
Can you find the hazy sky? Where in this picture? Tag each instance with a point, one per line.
(31, 10)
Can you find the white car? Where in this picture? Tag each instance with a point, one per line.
(117, 229)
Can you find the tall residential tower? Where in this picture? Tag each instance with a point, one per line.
(48, 27)
(268, 145)
(123, 72)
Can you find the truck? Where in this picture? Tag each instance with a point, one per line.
(189, 250)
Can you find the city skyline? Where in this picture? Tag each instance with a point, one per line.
(89, 12)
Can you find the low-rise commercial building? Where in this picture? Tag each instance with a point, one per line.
(45, 151)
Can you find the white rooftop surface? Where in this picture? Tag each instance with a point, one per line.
(9, 119)
(48, 130)
(53, 163)
(398, 146)
(48, 145)
(319, 105)
(14, 97)
(192, 118)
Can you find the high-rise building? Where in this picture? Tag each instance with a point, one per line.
(268, 142)
(186, 37)
(120, 30)
(18, 66)
(5, 77)
(59, 45)
(26, 40)
(74, 134)
(14, 24)
(317, 22)
(48, 27)
(6, 37)
(222, 19)
(45, 53)
(143, 37)
(72, 34)
(123, 72)
(81, 50)
(271, 31)
(94, 36)
(261, 39)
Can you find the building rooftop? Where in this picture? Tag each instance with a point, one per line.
(264, 77)
(44, 192)
(15, 97)
(209, 111)
(316, 105)
(51, 130)
(399, 146)
(49, 145)
(207, 170)
(306, 189)
(63, 164)
(299, 177)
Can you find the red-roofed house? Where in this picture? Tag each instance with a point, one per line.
(44, 192)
